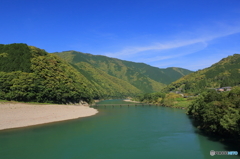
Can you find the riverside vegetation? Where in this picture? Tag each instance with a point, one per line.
(218, 113)
(165, 99)
(212, 111)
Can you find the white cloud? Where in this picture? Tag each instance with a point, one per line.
(181, 51)
(203, 36)
(129, 51)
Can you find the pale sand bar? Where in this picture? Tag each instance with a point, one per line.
(129, 100)
(21, 115)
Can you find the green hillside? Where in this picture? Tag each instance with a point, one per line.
(30, 74)
(224, 73)
(106, 86)
(165, 76)
(142, 76)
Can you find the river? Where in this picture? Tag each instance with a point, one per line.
(134, 132)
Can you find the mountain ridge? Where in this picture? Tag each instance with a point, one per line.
(123, 69)
(224, 73)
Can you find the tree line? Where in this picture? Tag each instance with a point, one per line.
(170, 99)
(217, 113)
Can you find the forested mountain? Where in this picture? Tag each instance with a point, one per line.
(106, 86)
(224, 73)
(30, 74)
(142, 76)
(165, 76)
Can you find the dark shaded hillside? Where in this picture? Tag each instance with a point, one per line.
(142, 76)
(16, 57)
(224, 73)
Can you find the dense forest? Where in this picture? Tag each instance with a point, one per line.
(17, 57)
(222, 74)
(218, 113)
(31, 74)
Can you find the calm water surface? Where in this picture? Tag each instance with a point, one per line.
(135, 132)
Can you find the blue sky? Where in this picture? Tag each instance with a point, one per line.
(192, 34)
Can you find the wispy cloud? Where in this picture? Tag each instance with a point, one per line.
(211, 59)
(203, 37)
(129, 51)
(202, 63)
(196, 63)
(184, 50)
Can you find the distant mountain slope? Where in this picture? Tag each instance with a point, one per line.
(106, 85)
(142, 76)
(165, 76)
(224, 73)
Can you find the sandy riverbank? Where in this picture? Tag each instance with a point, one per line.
(128, 100)
(21, 115)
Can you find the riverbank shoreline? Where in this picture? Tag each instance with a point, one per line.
(16, 115)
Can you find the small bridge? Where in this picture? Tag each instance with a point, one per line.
(135, 104)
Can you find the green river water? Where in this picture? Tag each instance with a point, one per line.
(134, 132)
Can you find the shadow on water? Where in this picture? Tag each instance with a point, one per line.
(229, 143)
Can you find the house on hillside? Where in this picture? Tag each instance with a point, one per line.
(227, 88)
(222, 89)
